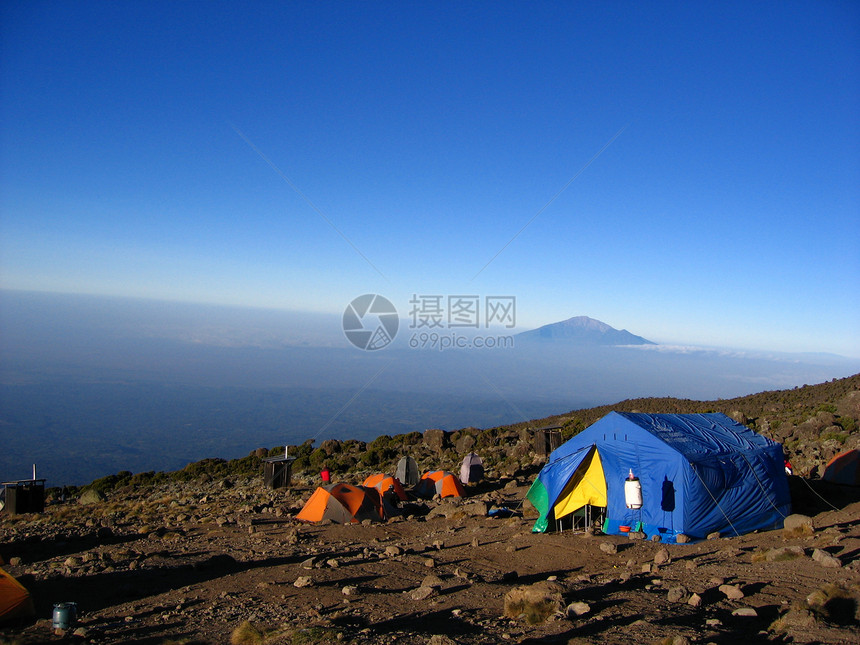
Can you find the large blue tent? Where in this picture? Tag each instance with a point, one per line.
(697, 474)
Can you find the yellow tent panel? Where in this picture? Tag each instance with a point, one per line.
(587, 486)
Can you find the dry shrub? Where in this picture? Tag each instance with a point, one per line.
(801, 530)
(536, 602)
(247, 634)
(835, 604)
(797, 616)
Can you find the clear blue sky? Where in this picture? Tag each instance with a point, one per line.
(727, 211)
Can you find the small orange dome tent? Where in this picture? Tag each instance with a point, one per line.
(382, 483)
(344, 504)
(439, 482)
(844, 468)
(15, 601)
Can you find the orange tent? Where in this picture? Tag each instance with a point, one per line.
(844, 468)
(15, 601)
(439, 482)
(382, 483)
(344, 504)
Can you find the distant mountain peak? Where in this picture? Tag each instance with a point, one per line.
(582, 330)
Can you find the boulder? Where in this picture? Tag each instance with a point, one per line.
(422, 593)
(434, 439)
(91, 496)
(826, 560)
(797, 525)
(576, 609)
(662, 556)
(732, 592)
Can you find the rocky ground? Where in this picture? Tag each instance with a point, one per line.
(221, 562)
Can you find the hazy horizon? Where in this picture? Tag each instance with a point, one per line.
(93, 385)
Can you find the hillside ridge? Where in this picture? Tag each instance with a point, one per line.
(813, 422)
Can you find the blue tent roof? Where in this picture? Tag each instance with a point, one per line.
(699, 473)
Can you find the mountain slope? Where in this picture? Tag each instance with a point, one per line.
(582, 330)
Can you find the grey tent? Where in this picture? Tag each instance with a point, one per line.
(407, 472)
(472, 469)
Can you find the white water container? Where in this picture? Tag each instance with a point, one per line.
(632, 492)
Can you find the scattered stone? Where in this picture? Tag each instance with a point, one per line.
(15, 562)
(682, 539)
(608, 547)
(636, 535)
(429, 563)
(662, 556)
(432, 581)
(732, 592)
(475, 543)
(333, 563)
(784, 553)
(81, 632)
(475, 509)
(678, 594)
(349, 590)
(695, 600)
(303, 581)
(422, 593)
(714, 536)
(441, 639)
(392, 551)
(309, 563)
(575, 609)
(745, 611)
(826, 560)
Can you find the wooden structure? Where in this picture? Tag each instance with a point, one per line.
(24, 496)
(277, 471)
(547, 439)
